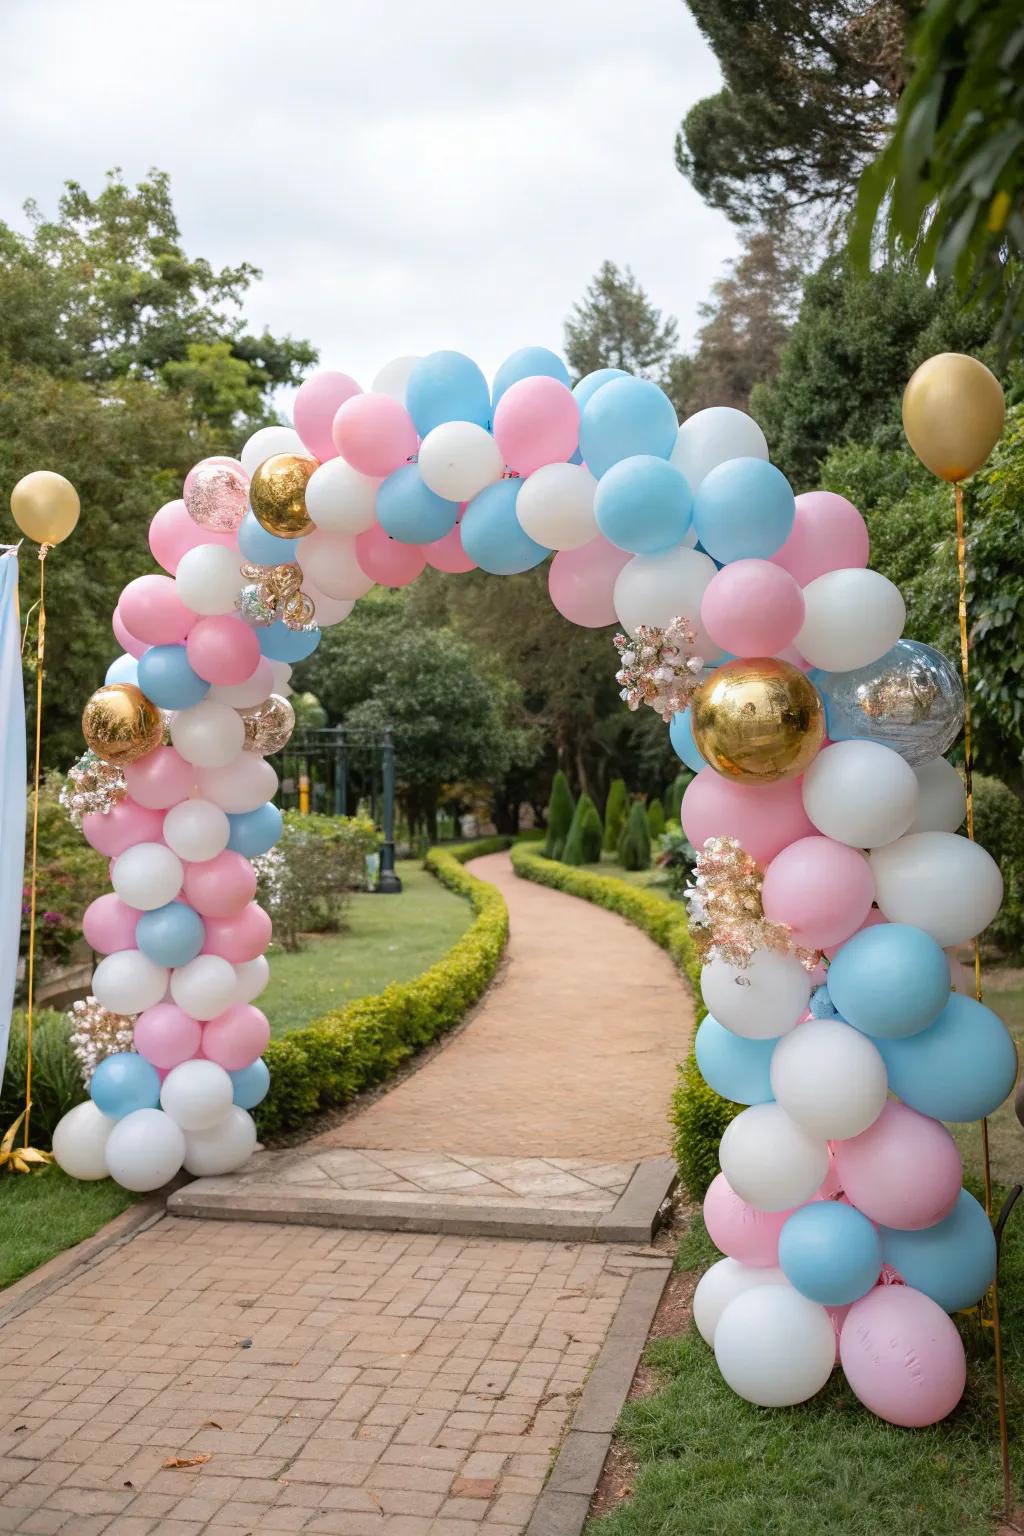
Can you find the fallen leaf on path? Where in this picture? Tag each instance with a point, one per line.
(211, 1424)
(189, 1461)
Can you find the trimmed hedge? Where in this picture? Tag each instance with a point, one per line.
(352, 1048)
(699, 1115)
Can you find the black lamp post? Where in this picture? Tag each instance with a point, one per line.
(388, 883)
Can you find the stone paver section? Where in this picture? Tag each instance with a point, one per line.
(355, 1383)
(572, 1053)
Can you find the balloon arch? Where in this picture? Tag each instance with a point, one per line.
(830, 880)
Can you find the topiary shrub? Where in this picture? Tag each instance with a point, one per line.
(634, 848)
(305, 879)
(674, 798)
(583, 844)
(655, 819)
(999, 828)
(615, 808)
(560, 813)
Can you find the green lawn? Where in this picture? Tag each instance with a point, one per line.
(388, 938)
(1004, 994)
(652, 879)
(43, 1213)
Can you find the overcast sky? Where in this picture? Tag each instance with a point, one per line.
(409, 174)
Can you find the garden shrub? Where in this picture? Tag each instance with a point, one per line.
(560, 813)
(634, 841)
(698, 1114)
(305, 880)
(615, 808)
(999, 828)
(70, 876)
(674, 797)
(57, 1084)
(677, 858)
(583, 845)
(351, 1048)
(655, 819)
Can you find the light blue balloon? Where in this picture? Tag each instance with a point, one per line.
(953, 1262)
(261, 547)
(528, 363)
(255, 832)
(410, 511)
(123, 1083)
(733, 1066)
(279, 643)
(743, 510)
(890, 980)
(491, 533)
(911, 699)
(170, 935)
(447, 386)
(680, 734)
(830, 1252)
(643, 504)
(166, 678)
(959, 1068)
(625, 417)
(124, 670)
(592, 382)
(250, 1084)
(820, 1005)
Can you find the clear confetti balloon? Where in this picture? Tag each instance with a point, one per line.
(269, 726)
(216, 494)
(911, 699)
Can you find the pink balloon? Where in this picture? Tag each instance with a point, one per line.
(220, 887)
(236, 1039)
(216, 494)
(763, 818)
(375, 434)
(904, 1171)
(125, 824)
(223, 649)
(752, 608)
(792, 655)
(127, 642)
(447, 554)
(108, 924)
(903, 1356)
(151, 609)
(160, 779)
(166, 1036)
(537, 421)
(386, 560)
(873, 918)
(828, 534)
(172, 533)
(316, 404)
(837, 1317)
(243, 936)
(740, 1230)
(581, 582)
(821, 889)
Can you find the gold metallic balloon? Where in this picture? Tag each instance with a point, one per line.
(277, 492)
(45, 506)
(268, 726)
(953, 414)
(757, 721)
(120, 724)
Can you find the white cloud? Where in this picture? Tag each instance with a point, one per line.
(409, 174)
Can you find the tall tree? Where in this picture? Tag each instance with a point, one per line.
(615, 325)
(808, 95)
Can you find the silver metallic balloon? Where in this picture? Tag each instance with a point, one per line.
(910, 699)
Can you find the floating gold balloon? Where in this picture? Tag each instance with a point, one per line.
(45, 506)
(277, 492)
(757, 721)
(120, 724)
(268, 727)
(953, 414)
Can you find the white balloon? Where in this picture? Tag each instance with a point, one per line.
(223, 1148)
(774, 1347)
(654, 589)
(246, 695)
(80, 1141)
(459, 459)
(204, 987)
(829, 1078)
(761, 1000)
(710, 437)
(147, 876)
(210, 735)
(394, 376)
(851, 617)
(209, 578)
(196, 830)
(770, 1161)
(268, 441)
(941, 798)
(128, 981)
(940, 882)
(555, 506)
(243, 785)
(329, 610)
(329, 560)
(196, 1094)
(282, 678)
(252, 977)
(341, 500)
(722, 1283)
(860, 793)
(145, 1150)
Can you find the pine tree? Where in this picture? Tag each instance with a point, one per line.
(583, 844)
(655, 819)
(635, 841)
(615, 814)
(674, 797)
(560, 814)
